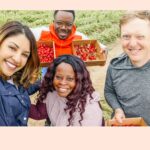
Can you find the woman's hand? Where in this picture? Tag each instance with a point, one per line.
(119, 115)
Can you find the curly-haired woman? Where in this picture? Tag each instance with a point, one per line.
(68, 95)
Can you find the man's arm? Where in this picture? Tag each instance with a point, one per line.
(111, 97)
(109, 91)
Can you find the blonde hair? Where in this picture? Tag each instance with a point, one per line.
(130, 15)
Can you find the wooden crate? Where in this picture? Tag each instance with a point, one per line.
(49, 44)
(139, 121)
(100, 56)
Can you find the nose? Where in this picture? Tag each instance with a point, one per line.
(133, 42)
(63, 81)
(17, 58)
(63, 26)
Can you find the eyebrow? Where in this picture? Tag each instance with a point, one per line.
(15, 44)
(64, 21)
(18, 47)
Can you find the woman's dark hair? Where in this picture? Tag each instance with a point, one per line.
(77, 98)
(29, 73)
(71, 11)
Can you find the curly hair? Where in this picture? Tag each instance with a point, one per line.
(78, 97)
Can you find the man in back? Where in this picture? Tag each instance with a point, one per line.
(62, 31)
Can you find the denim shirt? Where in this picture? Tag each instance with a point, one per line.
(14, 103)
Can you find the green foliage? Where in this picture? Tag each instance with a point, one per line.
(30, 17)
(96, 24)
(107, 111)
(100, 25)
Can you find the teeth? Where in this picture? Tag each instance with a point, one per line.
(63, 33)
(10, 65)
(62, 90)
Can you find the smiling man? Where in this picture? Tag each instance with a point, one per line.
(128, 77)
(62, 31)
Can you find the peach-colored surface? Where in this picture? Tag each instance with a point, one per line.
(87, 138)
(75, 4)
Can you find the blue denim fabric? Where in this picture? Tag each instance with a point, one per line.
(15, 103)
(44, 70)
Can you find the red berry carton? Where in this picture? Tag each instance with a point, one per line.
(127, 122)
(89, 51)
(46, 52)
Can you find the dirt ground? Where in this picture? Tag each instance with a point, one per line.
(97, 73)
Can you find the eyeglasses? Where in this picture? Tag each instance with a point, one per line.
(66, 24)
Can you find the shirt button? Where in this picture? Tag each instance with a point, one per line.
(9, 93)
(24, 118)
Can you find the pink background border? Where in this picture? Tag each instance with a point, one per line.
(74, 4)
(85, 138)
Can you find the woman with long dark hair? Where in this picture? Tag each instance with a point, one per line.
(68, 94)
